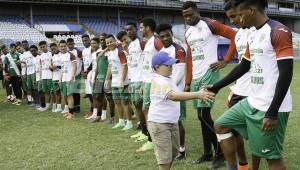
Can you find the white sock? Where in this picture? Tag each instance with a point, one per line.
(47, 105)
(181, 149)
(54, 105)
(28, 98)
(95, 112)
(129, 122)
(103, 116)
(122, 121)
(58, 106)
(66, 107)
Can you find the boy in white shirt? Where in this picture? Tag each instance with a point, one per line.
(164, 111)
(56, 75)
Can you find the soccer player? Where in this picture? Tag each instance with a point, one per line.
(202, 41)
(165, 34)
(87, 67)
(97, 88)
(6, 83)
(69, 66)
(152, 46)
(118, 80)
(25, 45)
(46, 74)
(23, 57)
(164, 111)
(56, 78)
(262, 117)
(33, 65)
(12, 72)
(77, 84)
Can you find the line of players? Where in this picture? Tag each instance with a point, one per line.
(121, 75)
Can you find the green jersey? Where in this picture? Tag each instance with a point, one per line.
(102, 64)
(11, 70)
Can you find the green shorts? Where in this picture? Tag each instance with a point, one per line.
(67, 88)
(31, 84)
(182, 111)
(135, 95)
(77, 84)
(24, 82)
(210, 77)
(46, 85)
(55, 86)
(247, 121)
(120, 94)
(146, 95)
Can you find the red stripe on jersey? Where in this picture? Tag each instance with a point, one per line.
(122, 57)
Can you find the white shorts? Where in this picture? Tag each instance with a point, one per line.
(88, 85)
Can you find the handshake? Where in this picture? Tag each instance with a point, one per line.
(206, 94)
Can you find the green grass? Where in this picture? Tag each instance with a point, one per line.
(33, 140)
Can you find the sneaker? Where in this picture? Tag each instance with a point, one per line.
(243, 167)
(136, 135)
(118, 126)
(180, 156)
(128, 126)
(95, 120)
(69, 116)
(42, 109)
(218, 161)
(65, 111)
(93, 116)
(141, 138)
(58, 110)
(66, 114)
(109, 120)
(146, 147)
(202, 159)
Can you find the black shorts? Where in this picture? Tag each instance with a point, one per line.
(235, 99)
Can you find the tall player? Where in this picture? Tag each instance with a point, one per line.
(262, 117)
(46, 74)
(152, 46)
(69, 67)
(56, 78)
(175, 51)
(202, 41)
(77, 84)
(86, 71)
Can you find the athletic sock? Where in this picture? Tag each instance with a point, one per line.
(91, 109)
(58, 106)
(47, 105)
(181, 149)
(103, 115)
(122, 121)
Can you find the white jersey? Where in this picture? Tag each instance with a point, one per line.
(67, 60)
(77, 54)
(134, 61)
(23, 62)
(38, 67)
(46, 63)
(242, 85)
(161, 109)
(178, 71)
(87, 58)
(56, 61)
(148, 52)
(267, 45)
(30, 64)
(116, 60)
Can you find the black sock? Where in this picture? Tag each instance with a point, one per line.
(99, 112)
(91, 109)
(71, 110)
(43, 105)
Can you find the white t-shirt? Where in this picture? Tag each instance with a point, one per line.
(46, 63)
(23, 59)
(77, 54)
(116, 60)
(30, 64)
(267, 45)
(204, 45)
(67, 60)
(134, 61)
(56, 61)
(147, 54)
(178, 70)
(242, 85)
(161, 109)
(87, 57)
(37, 67)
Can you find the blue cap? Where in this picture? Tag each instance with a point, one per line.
(163, 58)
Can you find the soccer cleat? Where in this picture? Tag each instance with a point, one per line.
(109, 120)
(87, 114)
(95, 120)
(65, 111)
(141, 138)
(146, 147)
(58, 110)
(42, 109)
(119, 126)
(180, 156)
(218, 161)
(93, 116)
(69, 116)
(136, 135)
(128, 126)
(243, 167)
(202, 159)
